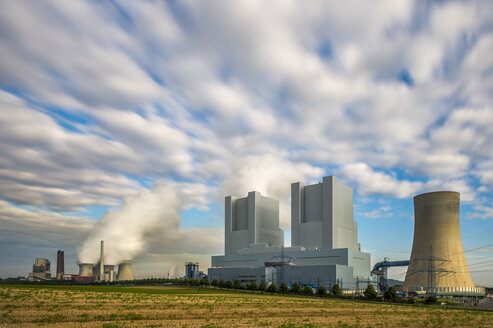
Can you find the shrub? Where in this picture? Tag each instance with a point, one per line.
(390, 294)
(432, 299)
(321, 291)
(283, 288)
(295, 288)
(307, 290)
(272, 288)
(370, 292)
(336, 290)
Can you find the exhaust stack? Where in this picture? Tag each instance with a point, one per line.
(101, 264)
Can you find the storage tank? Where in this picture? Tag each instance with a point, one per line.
(437, 260)
(85, 269)
(125, 271)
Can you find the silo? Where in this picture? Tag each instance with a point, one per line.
(85, 269)
(437, 260)
(125, 271)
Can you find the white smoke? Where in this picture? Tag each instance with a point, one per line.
(125, 231)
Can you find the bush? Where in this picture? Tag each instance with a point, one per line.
(370, 292)
(432, 299)
(321, 291)
(307, 290)
(228, 284)
(283, 289)
(253, 286)
(411, 300)
(262, 286)
(390, 294)
(295, 288)
(336, 290)
(237, 284)
(272, 288)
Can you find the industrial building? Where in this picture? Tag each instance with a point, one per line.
(192, 271)
(251, 220)
(322, 215)
(41, 270)
(325, 250)
(437, 263)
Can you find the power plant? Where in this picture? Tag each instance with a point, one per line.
(437, 263)
(324, 246)
(324, 250)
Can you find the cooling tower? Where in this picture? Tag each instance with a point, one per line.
(437, 260)
(125, 271)
(85, 269)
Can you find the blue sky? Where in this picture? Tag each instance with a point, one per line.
(108, 108)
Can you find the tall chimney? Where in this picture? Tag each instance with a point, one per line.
(60, 270)
(101, 264)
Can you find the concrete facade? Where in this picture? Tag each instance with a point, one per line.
(437, 261)
(251, 220)
(322, 215)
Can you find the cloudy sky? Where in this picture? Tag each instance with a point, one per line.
(108, 107)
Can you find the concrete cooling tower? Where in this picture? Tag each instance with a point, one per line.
(125, 271)
(85, 269)
(437, 260)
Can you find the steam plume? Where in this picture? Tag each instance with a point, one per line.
(125, 230)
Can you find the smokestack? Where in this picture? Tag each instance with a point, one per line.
(85, 269)
(101, 264)
(125, 271)
(60, 264)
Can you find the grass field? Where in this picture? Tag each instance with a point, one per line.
(111, 307)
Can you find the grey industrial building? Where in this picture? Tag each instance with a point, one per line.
(324, 250)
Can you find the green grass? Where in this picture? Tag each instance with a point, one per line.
(118, 289)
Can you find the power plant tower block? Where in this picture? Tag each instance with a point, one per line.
(437, 261)
(125, 271)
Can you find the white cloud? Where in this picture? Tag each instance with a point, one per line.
(370, 182)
